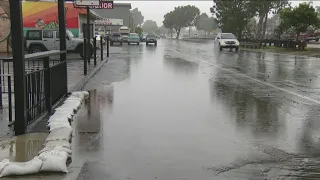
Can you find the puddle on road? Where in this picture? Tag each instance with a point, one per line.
(22, 148)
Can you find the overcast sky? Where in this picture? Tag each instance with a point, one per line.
(155, 10)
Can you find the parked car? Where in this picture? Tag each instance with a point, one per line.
(227, 40)
(133, 38)
(46, 40)
(115, 37)
(151, 39)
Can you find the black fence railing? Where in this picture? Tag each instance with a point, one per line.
(46, 81)
(35, 94)
(58, 81)
(45, 78)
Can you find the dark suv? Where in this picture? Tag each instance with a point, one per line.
(116, 37)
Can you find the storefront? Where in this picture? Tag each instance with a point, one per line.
(114, 18)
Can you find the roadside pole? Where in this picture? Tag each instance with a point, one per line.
(90, 4)
(88, 36)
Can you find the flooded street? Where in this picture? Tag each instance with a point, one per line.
(184, 110)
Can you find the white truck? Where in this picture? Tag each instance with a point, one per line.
(45, 40)
(124, 31)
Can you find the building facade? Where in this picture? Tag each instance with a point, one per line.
(119, 13)
(45, 16)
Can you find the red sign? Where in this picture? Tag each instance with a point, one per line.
(103, 5)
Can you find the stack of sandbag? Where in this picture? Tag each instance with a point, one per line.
(63, 115)
(57, 148)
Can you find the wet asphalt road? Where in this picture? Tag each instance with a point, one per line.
(184, 110)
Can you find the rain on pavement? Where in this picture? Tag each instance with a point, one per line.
(184, 110)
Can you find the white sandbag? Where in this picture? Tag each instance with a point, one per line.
(72, 105)
(65, 110)
(73, 102)
(86, 94)
(67, 107)
(77, 94)
(60, 114)
(74, 98)
(60, 143)
(63, 134)
(21, 168)
(58, 148)
(59, 124)
(54, 161)
(3, 164)
(53, 126)
(58, 119)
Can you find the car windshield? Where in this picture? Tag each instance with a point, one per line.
(134, 35)
(151, 36)
(228, 36)
(116, 35)
(124, 34)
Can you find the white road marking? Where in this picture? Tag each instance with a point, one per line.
(255, 80)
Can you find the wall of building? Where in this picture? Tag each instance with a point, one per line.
(45, 16)
(120, 11)
(5, 30)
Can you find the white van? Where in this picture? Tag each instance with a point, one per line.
(124, 31)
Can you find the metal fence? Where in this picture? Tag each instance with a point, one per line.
(45, 78)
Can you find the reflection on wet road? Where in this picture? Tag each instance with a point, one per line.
(184, 110)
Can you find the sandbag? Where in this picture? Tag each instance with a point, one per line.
(74, 98)
(64, 110)
(21, 168)
(61, 143)
(58, 148)
(60, 114)
(53, 126)
(77, 94)
(62, 119)
(63, 134)
(3, 164)
(54, 161)
(68, 107)
(86, 94)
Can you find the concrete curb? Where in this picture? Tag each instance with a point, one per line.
(80, 85)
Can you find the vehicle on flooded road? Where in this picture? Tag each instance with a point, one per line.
(124, 31)
(133, 38)
(151, 39)
(116, 38)
(227, 40)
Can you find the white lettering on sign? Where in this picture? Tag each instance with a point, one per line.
(106, 5)
(103, 5)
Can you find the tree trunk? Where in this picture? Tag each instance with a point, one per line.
(189, 31)
(264, 25)
(298, 34)
(171, 33)
(260, 23)
(178, 33)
